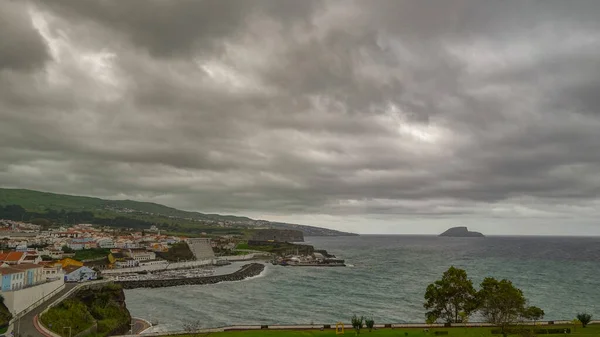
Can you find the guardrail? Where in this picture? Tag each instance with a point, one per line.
(71, 291)
(36, 303)
(38, 323)
(347, 324)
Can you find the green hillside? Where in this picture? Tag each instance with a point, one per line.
(42, 201)
(71, 209)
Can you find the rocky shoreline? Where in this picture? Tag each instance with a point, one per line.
(248, 270)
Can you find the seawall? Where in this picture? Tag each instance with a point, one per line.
(249, 270)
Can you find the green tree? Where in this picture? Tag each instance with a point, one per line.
(584, 318)
(370, 323)
(447, 298)
(501, 303)
(44, 223)
(533, 314)
(431, 319)
(357, 323)
(67, 249)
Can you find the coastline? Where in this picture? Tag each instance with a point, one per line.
(400, 266)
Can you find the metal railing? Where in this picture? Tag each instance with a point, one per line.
(37, 303)
(332, 326)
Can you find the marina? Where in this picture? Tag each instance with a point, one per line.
(166, 275)
(314, 260)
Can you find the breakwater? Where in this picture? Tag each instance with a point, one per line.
(248, 270)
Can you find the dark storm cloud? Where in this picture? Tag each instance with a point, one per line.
(21, 47)
(382, 110)
(179, 28)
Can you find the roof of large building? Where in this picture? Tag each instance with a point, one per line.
(10, 270)
(19, 234)
(11, 256)
(70, 269)
(26, 266)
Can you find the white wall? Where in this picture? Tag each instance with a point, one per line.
(19, 300)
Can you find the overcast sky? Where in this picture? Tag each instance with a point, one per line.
(368, 116)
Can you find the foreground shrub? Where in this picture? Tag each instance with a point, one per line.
(357, 323)
(72, 313)
(584, 318)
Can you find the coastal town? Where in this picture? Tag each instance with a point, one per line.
(38, 261)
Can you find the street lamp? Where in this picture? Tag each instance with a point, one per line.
(18, 323)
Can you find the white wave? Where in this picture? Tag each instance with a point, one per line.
(262, 274)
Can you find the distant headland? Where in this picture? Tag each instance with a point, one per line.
(461, 232)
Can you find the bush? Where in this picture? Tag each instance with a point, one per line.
(70, 312)
(584, 318)
(369, 322)
(357, 323)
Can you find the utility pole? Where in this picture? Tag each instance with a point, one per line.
(132, 324)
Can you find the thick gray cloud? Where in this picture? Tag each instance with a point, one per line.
(21, 47)
(379, 116)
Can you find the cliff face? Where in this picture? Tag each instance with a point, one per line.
(99, 309)
(461, 232)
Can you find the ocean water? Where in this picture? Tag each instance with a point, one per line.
(387, 280)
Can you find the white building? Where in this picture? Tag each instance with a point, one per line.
(139, 254)
(53, 272)
(106, 243)
(153, 263)
(12, 279)
(127, 263)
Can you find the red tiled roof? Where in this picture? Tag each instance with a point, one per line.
(26, 266)
(11, 256)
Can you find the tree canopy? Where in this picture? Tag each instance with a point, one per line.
(452, 298)
(500, 302)
(584, 318)
(534, 313)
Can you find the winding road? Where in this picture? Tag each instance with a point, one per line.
(26, 325)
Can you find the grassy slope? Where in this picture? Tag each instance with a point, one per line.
(39, 201)
(88, 254)
(592, 330)
(103, 306)
(36, 201)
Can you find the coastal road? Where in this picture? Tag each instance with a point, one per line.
(139, 325)
(26, 326)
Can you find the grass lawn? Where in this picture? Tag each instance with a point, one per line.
(591, 330)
